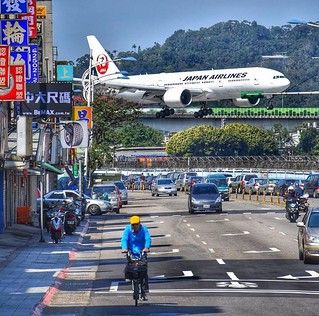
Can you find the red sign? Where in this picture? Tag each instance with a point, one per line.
(4, 65)
(17, 85)
(102, 64)
(31, 16)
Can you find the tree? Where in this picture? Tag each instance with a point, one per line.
(137, 134)
(309, 141)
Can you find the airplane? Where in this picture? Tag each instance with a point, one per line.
(244, 86)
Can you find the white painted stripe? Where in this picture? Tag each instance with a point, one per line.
(114, 286)
(217, 220)
(237, 234)
(188, 273)
(192, 229)
(188, 225)
(204, 242)
(274, 249)
(197, 236)
(232, 276)
(154, 216)
(211, 250)
(271, 213)
(158, 237)
(220, 261)
(271, 227)
(247, 213)
(165, 252)
(279, 218)
(282, 233)
(184, 220)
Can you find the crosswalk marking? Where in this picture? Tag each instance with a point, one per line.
(114, 286)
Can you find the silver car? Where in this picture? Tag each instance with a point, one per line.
(124, 194)
(108, 192)
(164, 186)
(96, 206)
(308, 236)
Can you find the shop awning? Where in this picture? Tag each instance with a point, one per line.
(51, 168)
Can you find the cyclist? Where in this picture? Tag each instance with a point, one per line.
(136, 239)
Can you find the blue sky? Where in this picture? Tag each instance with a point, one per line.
(119, 24)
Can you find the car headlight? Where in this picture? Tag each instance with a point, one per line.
(314, 239)
(194, 201)
(219, 199)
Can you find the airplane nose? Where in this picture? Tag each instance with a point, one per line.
(286, 83)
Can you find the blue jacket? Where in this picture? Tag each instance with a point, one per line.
(136, 242)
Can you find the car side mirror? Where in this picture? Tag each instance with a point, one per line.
(300, 224)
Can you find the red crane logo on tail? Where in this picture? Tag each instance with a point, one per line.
(102, 64)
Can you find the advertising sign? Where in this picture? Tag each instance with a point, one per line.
(64, 72)
(83, 113)
(17, 86)
(30, 56)
(41, 11)
(13, 6)
(31, 17)
(4, 65)
(48, 99)
(74, 134)
(14, 32)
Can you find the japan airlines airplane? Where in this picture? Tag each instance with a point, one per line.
(244, 86)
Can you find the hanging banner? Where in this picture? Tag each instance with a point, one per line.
(14, 32)
(31, 17)
(74, 134)
(13, 6)
(4, 66)
(17, 86)
(83, 113)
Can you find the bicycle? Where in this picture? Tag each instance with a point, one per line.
(136, 271)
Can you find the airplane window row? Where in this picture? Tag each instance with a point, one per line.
(232, 80)
(277, 77)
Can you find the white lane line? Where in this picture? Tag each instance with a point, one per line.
(114, 286)
(204, 242)
(250, 217)
(165, 252)
(279, 218)
(282, 233)
(192, 229)
(158, 237)
(263, 251)
(271, 213)
(188, 225)
(220, 261)
(237, 234)
(232, 276)
(188, 273)
(217, 220)
(184, 220)
(271, 227)
(154, 216)
(247, 213)
(197, 236)
(211, 250)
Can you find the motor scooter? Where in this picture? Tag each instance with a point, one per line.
(56, 228)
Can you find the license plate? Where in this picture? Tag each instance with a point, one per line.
(206, 206)
(70, 222)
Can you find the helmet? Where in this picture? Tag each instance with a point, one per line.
(291, 189)
(134, 220)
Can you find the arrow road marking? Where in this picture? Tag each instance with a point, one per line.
(263, 251)
(186, 274)
(235, 284)
(237, 234)
(313, 274)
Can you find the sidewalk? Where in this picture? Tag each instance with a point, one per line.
(16, 238)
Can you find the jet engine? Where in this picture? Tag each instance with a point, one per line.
(246, 103)
(177, 97)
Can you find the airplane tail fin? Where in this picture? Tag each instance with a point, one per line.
(101, 60)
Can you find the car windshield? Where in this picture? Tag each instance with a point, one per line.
(314, 220)
(164, 181)
(205, 189)
(219, 182)
(104, 189)
(120, 185)
(250, 176)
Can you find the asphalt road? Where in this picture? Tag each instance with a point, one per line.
(241, 262)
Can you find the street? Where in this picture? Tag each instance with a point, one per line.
(241, 262)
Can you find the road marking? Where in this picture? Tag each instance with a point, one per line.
(211, 250)
(282, 233)
(279, 218)
(184, 220)
(263, 251)
(217, 220)
(114, 286)
(237, 234)
(204, 242)
(220, 261)
(197, 236)
(313, 274)
(271, 227)
(188, 225)
(154, 216)
(235, 284)
(232, 276)
(158, 237)
(192, 229)
(247, 213)
(165, 252)
(188, 273)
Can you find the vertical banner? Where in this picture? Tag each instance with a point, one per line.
(17, 87)
(83, 113)
(31, 17)
(14, 32)
(13, 6)
(4, 65)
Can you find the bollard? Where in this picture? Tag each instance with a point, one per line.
(271, 198)
(264, 197)
(236, 193)
(278, 198)
(243, 193)
(257, 196)
(249, 194)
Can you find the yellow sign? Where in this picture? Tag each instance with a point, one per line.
(41, 11)
(83, 113)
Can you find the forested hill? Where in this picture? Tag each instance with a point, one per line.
(233, 44)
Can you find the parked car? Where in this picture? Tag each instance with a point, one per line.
(204, 197)
(240, 181)
(164, 186)
(219, 180)
(192, 181)
(182, 179)
(311, 185)
(268, 186)
(108, 192)
(253, 185)
(124, 194)
(308, 236)
(282, 186)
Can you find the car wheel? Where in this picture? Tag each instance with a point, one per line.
(175, 194)
(153, 194)
(170, 194)
(300, 255)
(94, 210)
(191, 211)
(220, 210)
(157, 194)
(117, 210)
(306, 259)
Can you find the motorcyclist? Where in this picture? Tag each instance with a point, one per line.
(136, 239)
(298, 190)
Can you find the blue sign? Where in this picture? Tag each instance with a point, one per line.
(64, 72)
(32, 62)
(14, 32)
(14, 6)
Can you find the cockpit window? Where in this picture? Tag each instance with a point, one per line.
(277, 77)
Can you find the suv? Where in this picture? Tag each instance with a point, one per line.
(182, 180)
(240, 182)
(311, 185)
(109, 192)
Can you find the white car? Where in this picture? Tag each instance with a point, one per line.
(164, 186)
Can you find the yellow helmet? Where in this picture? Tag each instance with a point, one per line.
(134, 220)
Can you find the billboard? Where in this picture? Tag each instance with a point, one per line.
(13, 6)
(83, 113)
(47, 99)
(17, 86)
(14, 32)
(4, 65)
(31, 17)
(74, 134)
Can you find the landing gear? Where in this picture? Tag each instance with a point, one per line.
(204, 111)
(166, 111)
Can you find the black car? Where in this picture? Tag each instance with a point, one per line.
(282, 186)
(204, 197)
(311, 185)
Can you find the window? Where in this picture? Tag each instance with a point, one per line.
(205, 189)
(56, 196)
(164, 181)
(314, 220)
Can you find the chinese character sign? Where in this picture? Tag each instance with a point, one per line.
(14, 32)
(31, 17)
(4, 66)
(17, 86)
(14, 6)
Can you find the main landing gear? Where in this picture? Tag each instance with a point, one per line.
(166, 111)
(204, 111)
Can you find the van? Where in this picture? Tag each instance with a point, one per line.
(220, 181)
